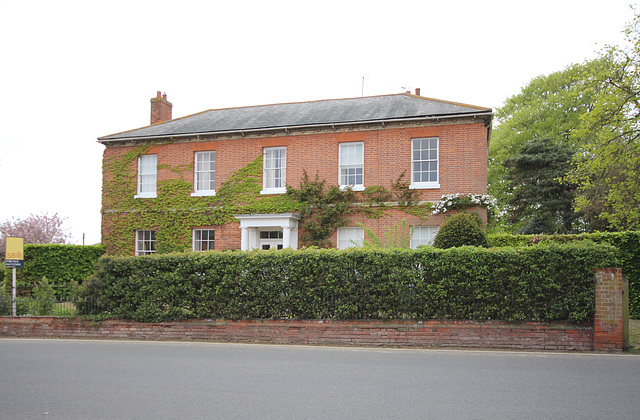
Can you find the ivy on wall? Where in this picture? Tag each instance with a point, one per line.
(323, 210)
(173, 213)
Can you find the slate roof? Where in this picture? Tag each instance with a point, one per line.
(385, 108)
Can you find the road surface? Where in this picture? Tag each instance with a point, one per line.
(75, 379)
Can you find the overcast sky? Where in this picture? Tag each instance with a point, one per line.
(72, 71)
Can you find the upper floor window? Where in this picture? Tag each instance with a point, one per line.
(423, 235)
(203, 239)
(350, 237)
(205, 174)
(147, 175)
(145, 242)
(274, 172)
(352, 165)
(424, 163)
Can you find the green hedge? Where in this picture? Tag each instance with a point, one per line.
(59, 264)
(548, 282)
(628, 244)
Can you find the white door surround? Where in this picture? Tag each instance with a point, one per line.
(252, 224)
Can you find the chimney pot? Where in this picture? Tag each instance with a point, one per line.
(417, 91)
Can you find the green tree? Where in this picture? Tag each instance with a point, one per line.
(549, 107)
(35, 229)
(540, 202)
(608, 163)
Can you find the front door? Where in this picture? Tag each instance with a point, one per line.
(270, 239)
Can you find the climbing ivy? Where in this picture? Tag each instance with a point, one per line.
(409, 200)
(376, 200)
(322, 210)
(174, 212)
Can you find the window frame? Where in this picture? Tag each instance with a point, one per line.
(139, 187)
(432, 231)
(211, 243)
(151, 240)
(425, 184)
(350, 238)
(267, 176)
(212, 172)
(341, 166)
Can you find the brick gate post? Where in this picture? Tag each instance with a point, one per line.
(611, 323)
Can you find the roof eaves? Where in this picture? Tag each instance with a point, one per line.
(152, 125)
(483, 112)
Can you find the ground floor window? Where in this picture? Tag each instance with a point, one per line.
(204, 239)
(350, 237)
(145, 242)
(423, 235)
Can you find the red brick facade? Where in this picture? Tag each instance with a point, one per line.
(463, 156)
(462, 162)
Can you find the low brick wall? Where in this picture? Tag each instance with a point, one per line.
(455, 334)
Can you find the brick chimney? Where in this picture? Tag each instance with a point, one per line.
(160, 109)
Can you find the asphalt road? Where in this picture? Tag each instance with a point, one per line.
(73, 379)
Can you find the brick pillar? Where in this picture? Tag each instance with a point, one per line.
(611, 331)
(160, 109)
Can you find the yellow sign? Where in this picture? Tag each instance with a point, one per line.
(15, 252)
(15, 249)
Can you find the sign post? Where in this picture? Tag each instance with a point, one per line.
(14, 258)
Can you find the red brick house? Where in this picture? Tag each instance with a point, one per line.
(217, 179)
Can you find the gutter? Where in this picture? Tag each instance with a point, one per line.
(286, 129)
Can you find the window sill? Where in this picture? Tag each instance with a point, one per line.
(352, 187)
(146, 195)
(203, 193)
(424, 186)
(273, 191)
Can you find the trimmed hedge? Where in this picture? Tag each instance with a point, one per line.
(546, 283)
(628, 244)
(461, 229)
(60, 264)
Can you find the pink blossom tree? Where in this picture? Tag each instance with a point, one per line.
(35, 229)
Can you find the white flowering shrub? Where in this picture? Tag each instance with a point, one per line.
(461, 201)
